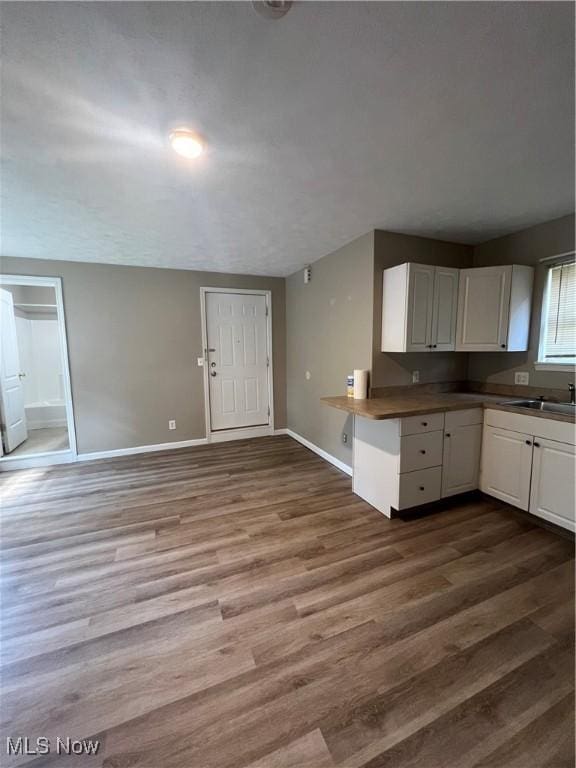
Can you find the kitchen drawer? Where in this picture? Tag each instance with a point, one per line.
(463, 418)
(419, 487)
(421, 451)
(415, 425)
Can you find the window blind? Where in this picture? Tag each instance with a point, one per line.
(560, 332)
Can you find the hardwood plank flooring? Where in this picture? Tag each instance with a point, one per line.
(236, 606)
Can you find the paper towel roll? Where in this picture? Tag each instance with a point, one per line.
(360, 384)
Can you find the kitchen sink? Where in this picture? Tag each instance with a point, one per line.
(540, 405)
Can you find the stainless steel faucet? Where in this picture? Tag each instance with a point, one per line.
(572, 391)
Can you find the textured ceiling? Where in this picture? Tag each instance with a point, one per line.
(450, 120)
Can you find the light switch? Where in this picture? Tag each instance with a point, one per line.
(200, 362)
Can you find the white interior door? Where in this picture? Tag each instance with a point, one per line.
(238, 360)
(11, 389)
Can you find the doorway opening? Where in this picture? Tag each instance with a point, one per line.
(36, 416)
(238, 378)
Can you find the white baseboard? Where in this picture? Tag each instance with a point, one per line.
(324, 454)
(240, 434)
(46, 424)
(140, 449)
(66, 457)
(10, 463)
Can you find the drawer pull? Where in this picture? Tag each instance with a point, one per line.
(421, 487)
(422, 451)
(424, 423)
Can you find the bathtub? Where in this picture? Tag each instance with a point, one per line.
(49, 413)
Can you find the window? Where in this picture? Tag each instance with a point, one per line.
(558, 332)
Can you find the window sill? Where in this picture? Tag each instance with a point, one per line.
(558, 367)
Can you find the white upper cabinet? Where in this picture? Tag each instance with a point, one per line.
(445, 309)
(419, 306)
(494, 306)
(418, 310)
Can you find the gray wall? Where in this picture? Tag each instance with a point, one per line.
(525, 247)
(134, 334)
(395, 369)
(329, 333)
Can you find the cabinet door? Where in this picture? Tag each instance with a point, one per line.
(506, 465)
(483, 309)
(461, 460)
(419, 316)
(444, 309)
(552, 491)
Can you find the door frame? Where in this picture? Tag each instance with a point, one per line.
(238, 433)
(68, 454)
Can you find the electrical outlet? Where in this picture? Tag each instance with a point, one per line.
(171, 424)
(344, 437)
(415, 377)
(308, 375)
(521, 377)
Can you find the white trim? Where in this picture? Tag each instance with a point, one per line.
(559, 367)
(10, 463)
(140, 449)
(548, 365)
(56, 283)
(559, 257)
(218, 436)
(242, 433)
(321, 452)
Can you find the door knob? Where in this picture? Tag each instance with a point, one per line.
(212, 373)
(212, 365)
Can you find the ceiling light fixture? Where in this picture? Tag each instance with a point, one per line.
(186, 143)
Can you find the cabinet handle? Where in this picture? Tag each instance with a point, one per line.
(424, 423)
(536, 445)
(503, 346)
(447, 434)
(422, 451)
(529, 443)
(421, 487)
(434, 345)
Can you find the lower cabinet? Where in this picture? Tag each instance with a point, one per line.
(506, 466)
(529, 462)
(552, 491)
(461, 459)
(404, 463)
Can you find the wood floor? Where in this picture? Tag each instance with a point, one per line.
(236, 605)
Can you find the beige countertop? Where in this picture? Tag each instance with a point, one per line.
(399, 406)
